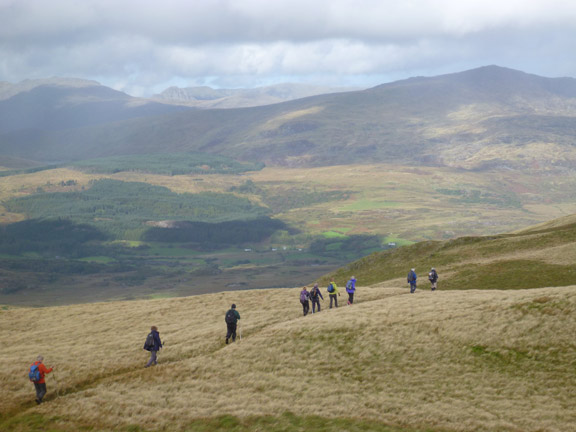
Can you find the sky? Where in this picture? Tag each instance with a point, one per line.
(144, 46)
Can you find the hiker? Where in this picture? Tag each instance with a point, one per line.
(153, 344)
(333, 292)
(433, 278)
(315, 296)
(304, 299)
(37, 372)
(231, 318)
(412, 280)
(351, 289)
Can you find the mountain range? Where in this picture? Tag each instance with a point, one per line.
(477, 119)
(207, 97)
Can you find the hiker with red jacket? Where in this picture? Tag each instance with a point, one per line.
(37, 372)
(304, 300)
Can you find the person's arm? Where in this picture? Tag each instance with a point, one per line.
(43, 369)
(157, 339)
(320, 294)
(237, 314)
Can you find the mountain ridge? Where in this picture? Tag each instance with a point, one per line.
(486, 117)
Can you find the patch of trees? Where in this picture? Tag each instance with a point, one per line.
(56, 237)
(122, 208)
(169, 164)
(223, 233)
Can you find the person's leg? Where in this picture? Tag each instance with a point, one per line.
(228, 331)
(350, 298)
(331, 300)
(40, 392)
(313, 306)
(234, 332)
(152, 359)
(335, 300)
(303, 307)
(306, 308)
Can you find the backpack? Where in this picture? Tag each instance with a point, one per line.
(330, 288)
(349, 285)
(34, 373)
(314, 293)
(304, 296)
(230, 317)
(149, 344)
(432, 275)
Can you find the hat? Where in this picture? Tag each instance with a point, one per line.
(233, 306)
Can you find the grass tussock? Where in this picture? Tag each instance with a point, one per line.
(444, 361)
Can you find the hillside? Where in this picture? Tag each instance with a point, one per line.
(478, 119)
(538, 256)
(32, 107)
(444, 361)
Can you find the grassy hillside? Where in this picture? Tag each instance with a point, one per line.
(444, 361)
(539, 256)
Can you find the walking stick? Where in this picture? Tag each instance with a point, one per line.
(56, 384)
(240, 330)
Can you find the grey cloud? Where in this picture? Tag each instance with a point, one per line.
(137, 44)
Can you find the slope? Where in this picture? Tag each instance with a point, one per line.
(487, 117)
(543, 255)
(443, 361)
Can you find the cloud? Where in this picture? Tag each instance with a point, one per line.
(143, 44)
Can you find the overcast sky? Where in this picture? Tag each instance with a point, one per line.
(145, 46)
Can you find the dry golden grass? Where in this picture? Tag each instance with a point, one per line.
(459, 361)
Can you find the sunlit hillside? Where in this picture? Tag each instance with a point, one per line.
(444, 361)
(542, 255)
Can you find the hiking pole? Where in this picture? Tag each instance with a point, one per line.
(240, 330)
(56, 384)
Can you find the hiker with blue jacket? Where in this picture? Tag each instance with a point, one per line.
(333, 292)
(153, 344)
(412, 280)
(315, 296)
(351, 289)
(305, 300)
(231, 318)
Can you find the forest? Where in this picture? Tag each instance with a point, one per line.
(122, 209)
(168, 164)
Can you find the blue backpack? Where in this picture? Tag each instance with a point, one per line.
(330, 288)
(34, 373)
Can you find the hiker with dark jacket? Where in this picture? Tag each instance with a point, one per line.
(351, 289)
(333, 293)
(153, 344)
(40, 382)
(433, 278)
(315, 296)
(231, 318)
(304, 300)
(412, 280)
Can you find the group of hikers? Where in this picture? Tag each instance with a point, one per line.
(315, 295)
(413, 277)
(153, 343)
